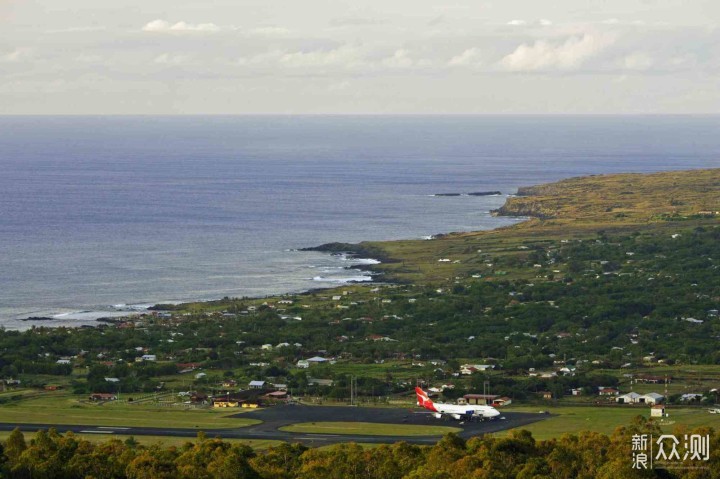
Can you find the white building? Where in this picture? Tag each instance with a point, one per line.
(629, 398)
(657, 411)
(652, 398)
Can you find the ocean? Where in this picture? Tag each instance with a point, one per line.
(104, 215)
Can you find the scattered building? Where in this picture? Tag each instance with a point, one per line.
(316, 360)
(690, 397)
(635, 398)
(320, 382)
(482, 399)
(652, 398)
(657, 410)
(103, 397)
(629, 398)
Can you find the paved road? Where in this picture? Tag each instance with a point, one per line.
(279, 416)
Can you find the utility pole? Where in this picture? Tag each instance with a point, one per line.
(353, 390)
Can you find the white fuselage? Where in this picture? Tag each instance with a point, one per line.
(459, 412)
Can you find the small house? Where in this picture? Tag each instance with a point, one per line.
(482, 399)
(657, 410)
(629, 398)
(651, 398)
(102, 397)
(316, 360)
(256, 384)
(690, 397)
(320, 382)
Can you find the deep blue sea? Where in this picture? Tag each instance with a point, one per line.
(100, 214)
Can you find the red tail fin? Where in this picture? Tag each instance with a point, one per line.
(424, 400)
(422, 397)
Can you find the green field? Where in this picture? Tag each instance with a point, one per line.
(368, 428)
(62, 408)
(568, 419)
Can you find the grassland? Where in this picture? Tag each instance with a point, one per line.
(568, 419)
(367, 428)
(61, 408)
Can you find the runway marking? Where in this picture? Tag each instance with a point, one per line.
(313, 438)
(110, 427)
(96, 432)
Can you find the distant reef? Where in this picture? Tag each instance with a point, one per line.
(354, 250)
(474, 193)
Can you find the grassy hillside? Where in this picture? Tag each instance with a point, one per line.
(569, 209)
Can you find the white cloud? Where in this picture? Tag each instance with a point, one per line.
(17, 55)
(356, 21)
(544, 55)
(399, 59)
(345, 56)
(637, 61)
(468, 57)
(543, 22)
(89, 58)
(96, 28)
(270, 31)
(171, 59)
(164, 26)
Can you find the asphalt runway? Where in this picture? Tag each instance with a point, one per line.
(276, 417)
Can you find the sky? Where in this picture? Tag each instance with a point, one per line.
(359, 57)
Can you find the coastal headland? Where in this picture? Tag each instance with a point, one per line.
(608, 280)
(569, 209)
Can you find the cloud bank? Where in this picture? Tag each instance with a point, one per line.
(163, 26)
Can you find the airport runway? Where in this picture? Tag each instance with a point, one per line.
(276, 417)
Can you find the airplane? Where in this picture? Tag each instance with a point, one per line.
(456, 412)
